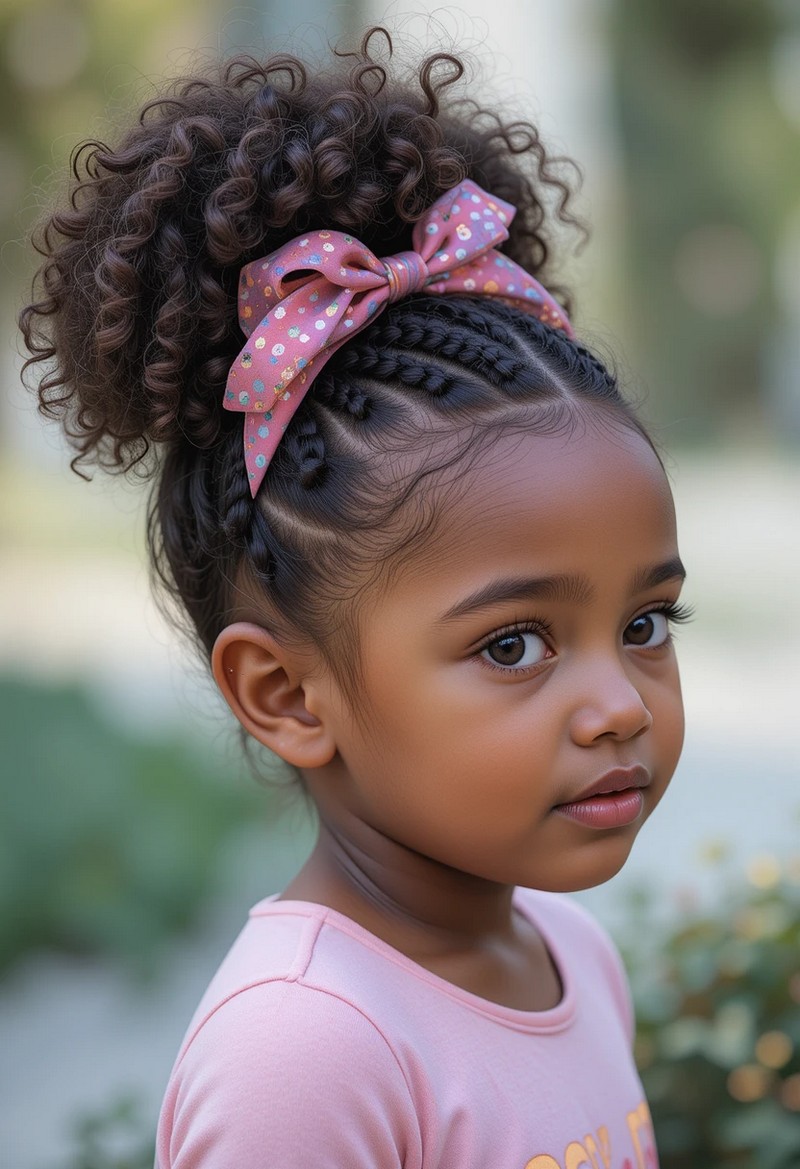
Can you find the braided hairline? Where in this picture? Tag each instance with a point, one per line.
(440, 357)
(392, 374)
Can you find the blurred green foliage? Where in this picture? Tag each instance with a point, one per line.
(109, 843)
(116, 1138)
(718, 1012)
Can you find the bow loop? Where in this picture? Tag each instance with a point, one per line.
(461, 227)
(301, 302)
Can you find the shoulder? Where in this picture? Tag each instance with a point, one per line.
(287, 1025)
(279, 981)
(270, 1066)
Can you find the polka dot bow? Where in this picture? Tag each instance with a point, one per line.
(299, 304)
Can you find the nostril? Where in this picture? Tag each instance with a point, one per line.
(612, 712)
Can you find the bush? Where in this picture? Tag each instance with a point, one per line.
(718, 1046)
(117, 1138)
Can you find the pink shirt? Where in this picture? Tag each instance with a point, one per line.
(317, 1046)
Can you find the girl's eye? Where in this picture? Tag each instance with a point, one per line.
(650, 630)
(517, 648)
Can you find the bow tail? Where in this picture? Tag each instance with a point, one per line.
(264, 427)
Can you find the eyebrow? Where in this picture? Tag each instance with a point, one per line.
(564, 587)
(649, 578)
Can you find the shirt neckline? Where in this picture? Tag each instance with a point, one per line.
(552, 1019)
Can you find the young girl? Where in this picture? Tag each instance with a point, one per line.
(432, 556)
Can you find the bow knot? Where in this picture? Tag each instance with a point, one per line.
(301, 302)
(406, 273)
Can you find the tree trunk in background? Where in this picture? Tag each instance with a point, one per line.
(306, 27)
(712, 176)
(547, 63)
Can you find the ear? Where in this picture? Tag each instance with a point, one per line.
(265, 686)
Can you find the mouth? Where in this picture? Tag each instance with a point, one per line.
(613, 801)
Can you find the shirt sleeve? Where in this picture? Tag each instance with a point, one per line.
(286, 1076)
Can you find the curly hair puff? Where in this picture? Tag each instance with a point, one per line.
(136, 327)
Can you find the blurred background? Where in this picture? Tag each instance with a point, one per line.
(132, 836)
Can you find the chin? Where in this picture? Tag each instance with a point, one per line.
(594, 868)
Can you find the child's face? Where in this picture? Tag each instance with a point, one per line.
(483, 717)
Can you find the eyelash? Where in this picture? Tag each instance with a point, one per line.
(675, 612)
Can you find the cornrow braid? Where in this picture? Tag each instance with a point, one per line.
(305, 446)
(456, 342)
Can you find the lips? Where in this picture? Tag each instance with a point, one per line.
(615, 800)
(617, 780)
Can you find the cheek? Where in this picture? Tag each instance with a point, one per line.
(669, 725)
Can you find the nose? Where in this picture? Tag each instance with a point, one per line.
(611, 706)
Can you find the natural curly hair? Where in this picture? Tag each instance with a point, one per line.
(135, 322)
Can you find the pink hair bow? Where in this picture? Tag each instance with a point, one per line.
(300, 303)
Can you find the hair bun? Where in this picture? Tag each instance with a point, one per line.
(136, 316)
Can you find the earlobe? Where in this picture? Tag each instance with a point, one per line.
(263, 683)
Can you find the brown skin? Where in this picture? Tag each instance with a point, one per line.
(441, 796)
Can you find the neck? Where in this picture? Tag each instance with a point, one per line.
(414, 903)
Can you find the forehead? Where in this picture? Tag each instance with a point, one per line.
(595, 501)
